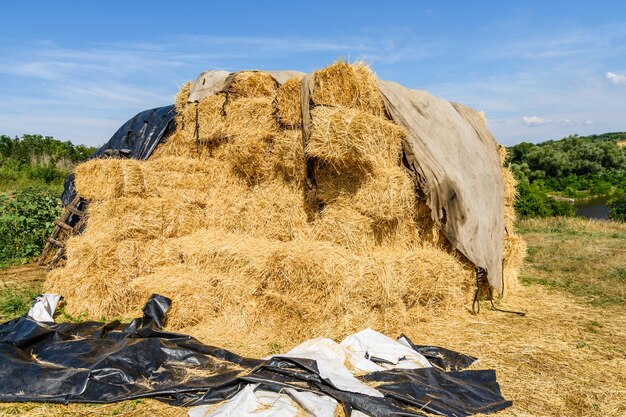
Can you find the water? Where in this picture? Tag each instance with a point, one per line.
(593, 208)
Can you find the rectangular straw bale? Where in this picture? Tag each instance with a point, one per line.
(288, 155)
(510, 217)
(180, 101)
(98, 294)
(99, 179)
(140, 257)
(431, 278)
(252, 117)
(211, 121)
(134, 178)
(174, 147)
(502, 153)
(510, 184)
(384, 194)
(248, 156)
(289, 104)
(90, 252)
(252, 84)
(182, 282)
(348, 85)
(273, 209)
(343, 135)
(344, 226)
(514, 254)
(234, 254)
(146, 218)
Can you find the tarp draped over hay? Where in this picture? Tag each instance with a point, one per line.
(136, 139)
(458, 168)
(98, 362)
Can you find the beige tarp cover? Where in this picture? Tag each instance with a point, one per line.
(449, 149)
(458, 168)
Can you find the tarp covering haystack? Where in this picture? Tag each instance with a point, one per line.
(286, 206)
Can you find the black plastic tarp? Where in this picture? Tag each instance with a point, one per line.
(136, 139)
(108, 362)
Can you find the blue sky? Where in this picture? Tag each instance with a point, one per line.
(539, 70)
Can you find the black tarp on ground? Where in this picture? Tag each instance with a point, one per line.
(98, 362)
(136, 139)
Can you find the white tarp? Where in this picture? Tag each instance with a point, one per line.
(336, 362)
(43, 308)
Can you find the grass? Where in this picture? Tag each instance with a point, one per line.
(565, 358)
(581, 257)
(15, 301)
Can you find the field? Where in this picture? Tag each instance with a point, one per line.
(567, 357)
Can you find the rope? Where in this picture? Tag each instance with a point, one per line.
(197, 132)
(481, 273)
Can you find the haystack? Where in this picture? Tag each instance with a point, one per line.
(218, 221)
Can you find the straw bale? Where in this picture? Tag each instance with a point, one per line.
(387, 193)
(100, 294)
(180, 101)
(174, 147)
(514, 254)
(273, 209)
(99, 179)
(510, 184)
(253, 117)
(211, 121)
(344, 226)
(147, 218)
(181, 283)
(252, 84)
(248, 156)
(348, 85)
(288, 155)
(288, 101)
(503, 153)
(343, 135)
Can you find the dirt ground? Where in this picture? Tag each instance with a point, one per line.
(566, 357)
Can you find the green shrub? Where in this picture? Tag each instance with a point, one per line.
(533, 201)
(617, 209)
(26, 220)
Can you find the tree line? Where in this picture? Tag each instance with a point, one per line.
(575, 166)
(38, 160)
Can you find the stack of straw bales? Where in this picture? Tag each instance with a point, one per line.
(216, 219)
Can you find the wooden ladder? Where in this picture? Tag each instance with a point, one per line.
(61, 225)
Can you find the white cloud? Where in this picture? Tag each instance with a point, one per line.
(588, 122)
(567, 122)
(533, 121)
(617, 79)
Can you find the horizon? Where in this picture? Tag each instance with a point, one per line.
(539, 71)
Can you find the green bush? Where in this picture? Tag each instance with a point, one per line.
(533, 201)
(617, 209)
(26, 220)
